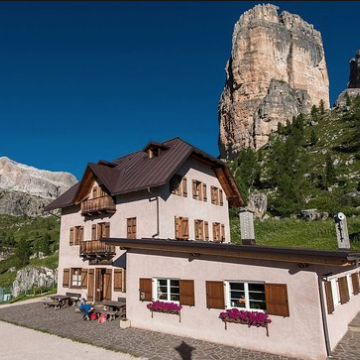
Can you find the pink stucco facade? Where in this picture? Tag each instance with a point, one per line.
(154, 209)
(299, 335)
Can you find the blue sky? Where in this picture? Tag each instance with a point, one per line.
(84, 81)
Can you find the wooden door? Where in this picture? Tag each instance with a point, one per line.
(90, 285)
(99, 281)
(107, 285)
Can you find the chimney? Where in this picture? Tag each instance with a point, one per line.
(342, 233)
(247, 227)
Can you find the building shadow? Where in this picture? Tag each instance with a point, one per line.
(185, 350)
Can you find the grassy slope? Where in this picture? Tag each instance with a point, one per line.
(298, 233)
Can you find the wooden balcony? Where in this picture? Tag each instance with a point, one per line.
(99, 205)
(95, 249)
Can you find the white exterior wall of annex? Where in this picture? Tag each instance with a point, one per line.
(343, 313)
(299, 335)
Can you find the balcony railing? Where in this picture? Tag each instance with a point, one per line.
(96, 249)
(103, 204)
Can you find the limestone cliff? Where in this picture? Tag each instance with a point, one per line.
(353, 84)
(277, 69)
(25, 190)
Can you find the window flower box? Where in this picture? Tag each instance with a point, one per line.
(250, 318)
(164, 307)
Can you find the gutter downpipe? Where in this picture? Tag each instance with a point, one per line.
(323, 315)
(157, 212)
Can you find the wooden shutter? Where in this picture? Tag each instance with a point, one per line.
(215, 295)
(72, 236)
(66, 278)
(107, 284)
(222, 232)
(277, 299)
(134, 228)
(107, 230)
(344, 290)
(329, 297)
(199, 190)
(204, 192)
(83, 278)
(177, 227)
(93, 232)
(196, 225)
(194, 189)
(184, 187)
(90, 293)
(81, 236)
(99, 231)
(355, 283)
(206, 224)
(117, 280)
(124, 281)
(145, 289)
(221, 197)
(185, 228)
(187, 292)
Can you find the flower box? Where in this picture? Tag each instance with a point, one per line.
(164, 307)
(250, 318)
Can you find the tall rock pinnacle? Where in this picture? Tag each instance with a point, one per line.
(277, 69)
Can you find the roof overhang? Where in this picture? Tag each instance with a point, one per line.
(267, 253)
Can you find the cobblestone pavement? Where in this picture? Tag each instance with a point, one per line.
(145, 343)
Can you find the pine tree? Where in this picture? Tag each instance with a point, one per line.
(22, 252)
(314, 111)
(322, 107)
(348, 99)
(45, 244)
(330, 172)
(313, 138)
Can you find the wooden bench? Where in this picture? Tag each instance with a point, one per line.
(51, 303)
(74, 297)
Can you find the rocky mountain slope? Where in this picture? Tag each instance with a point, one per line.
(277, 69)
(25, 190)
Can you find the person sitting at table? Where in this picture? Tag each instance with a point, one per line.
(86, 309)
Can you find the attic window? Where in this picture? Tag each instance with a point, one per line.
(154, 152)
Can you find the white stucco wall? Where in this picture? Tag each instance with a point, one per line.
(300, 335)
(343, 313)
(143, 206)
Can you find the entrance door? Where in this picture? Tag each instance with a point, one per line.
(102, 284)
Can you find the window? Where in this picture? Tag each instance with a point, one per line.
(181, 227)
(245, 295)
(178, 185)
(75, 277)
(167, 290)
(76, 235)
(100, 230)
(216, 231)
(214, 195)
(199, 229)
(131, 228)
(197, 190)
(98, 191)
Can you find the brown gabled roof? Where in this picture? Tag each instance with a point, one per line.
(137, 171)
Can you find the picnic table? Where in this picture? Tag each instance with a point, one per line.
(111, 309)
(118, 306)
(62, 299)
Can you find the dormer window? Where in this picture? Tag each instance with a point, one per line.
(154, 152)
(154, 149)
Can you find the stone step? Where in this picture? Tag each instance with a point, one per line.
(355, 328)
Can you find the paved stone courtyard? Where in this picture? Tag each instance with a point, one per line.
(144, 343)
